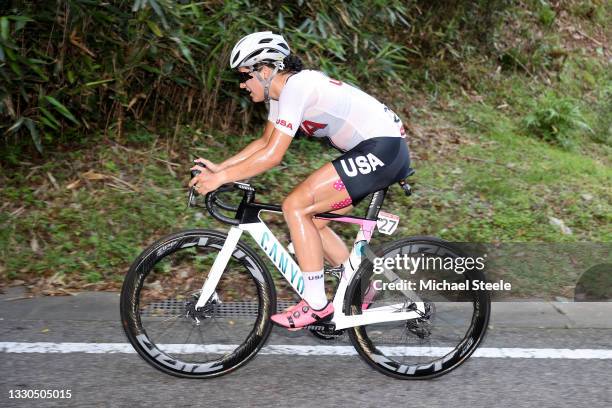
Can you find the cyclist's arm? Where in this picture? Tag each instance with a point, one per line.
(250, 149)
(264, 159)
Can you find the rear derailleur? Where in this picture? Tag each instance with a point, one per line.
(421, 326)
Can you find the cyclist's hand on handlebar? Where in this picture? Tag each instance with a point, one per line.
(206, 181)
(213, 167)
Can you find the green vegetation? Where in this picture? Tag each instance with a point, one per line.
(553, 118)
(72, 67)
(510, 122)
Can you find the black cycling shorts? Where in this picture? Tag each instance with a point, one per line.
(373, 165)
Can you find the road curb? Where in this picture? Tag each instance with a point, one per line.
(104, 306)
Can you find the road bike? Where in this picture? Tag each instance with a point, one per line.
(197, 303)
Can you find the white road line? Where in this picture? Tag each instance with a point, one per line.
(294, 350)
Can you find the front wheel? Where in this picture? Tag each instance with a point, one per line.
(453, 319)
(158, 306)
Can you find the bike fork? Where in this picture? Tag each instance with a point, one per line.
(219, 266)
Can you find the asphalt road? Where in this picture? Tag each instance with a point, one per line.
(124, 379)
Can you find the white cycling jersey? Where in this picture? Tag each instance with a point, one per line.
(324, 107)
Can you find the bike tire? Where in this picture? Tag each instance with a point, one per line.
(166, 279)
(382, 355)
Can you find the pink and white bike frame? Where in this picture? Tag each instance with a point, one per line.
(291, 271)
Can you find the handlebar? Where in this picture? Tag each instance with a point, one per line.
(213, 203)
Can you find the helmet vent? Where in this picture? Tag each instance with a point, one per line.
(254, 53)
(236, 57)
(283, 46)
(265, 40)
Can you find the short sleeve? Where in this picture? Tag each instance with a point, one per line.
(292, 103)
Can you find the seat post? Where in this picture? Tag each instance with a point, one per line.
(376, 203)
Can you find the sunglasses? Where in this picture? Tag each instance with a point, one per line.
(243, 76)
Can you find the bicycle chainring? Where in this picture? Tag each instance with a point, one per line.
(325, 331)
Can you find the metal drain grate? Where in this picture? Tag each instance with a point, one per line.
(173, 307)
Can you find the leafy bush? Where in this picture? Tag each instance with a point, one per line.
(69, 68)
(553, 118)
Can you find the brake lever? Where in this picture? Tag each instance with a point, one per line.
(191, 199)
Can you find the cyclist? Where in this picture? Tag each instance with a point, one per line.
(369, 134)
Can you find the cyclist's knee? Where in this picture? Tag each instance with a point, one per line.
(295, 204)
(291, 206)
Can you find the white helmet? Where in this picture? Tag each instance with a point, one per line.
(259, 47)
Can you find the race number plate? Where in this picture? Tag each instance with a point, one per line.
(387, 223)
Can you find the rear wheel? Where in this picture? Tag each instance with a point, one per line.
(158, 306)
(450, 328)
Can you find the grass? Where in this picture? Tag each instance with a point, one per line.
(498, 186)
(493, 165)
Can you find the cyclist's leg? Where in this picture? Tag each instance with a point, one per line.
(314, 195)
(325, 190)
(334, 248)
(318, 193)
